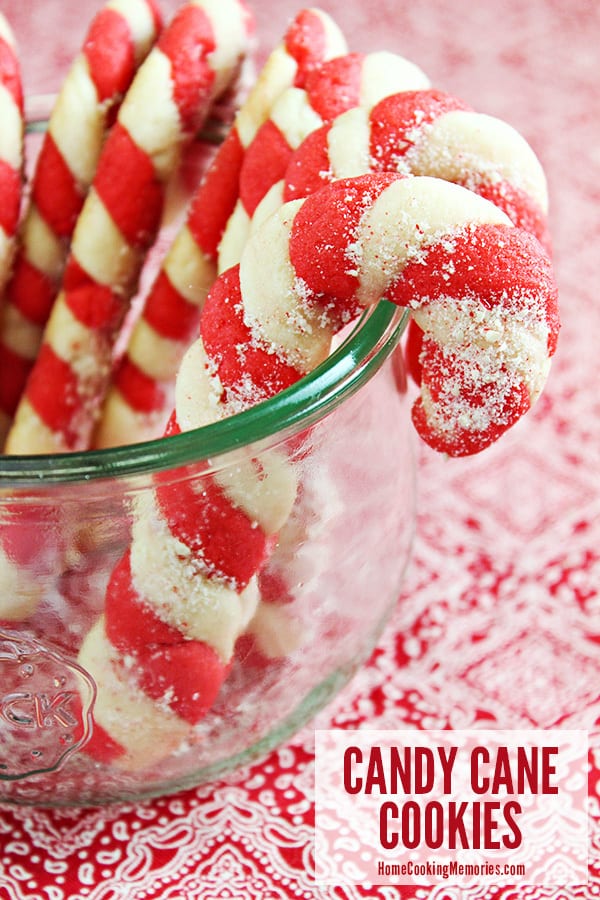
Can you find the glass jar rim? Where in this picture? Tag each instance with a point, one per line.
(354, 362)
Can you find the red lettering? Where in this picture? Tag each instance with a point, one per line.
(424, 775)
(434, 825)
(511, 809)
(479, 785)
(352, 786)
(548, 770)
(389, 811)
(375, 772)
(411, 824)
(456, 826)
(527, 771)
(447, 761)
(476, 839)
(400, 770)
(490, 825)
(502, 772)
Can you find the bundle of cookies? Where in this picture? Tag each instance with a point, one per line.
(344, 179)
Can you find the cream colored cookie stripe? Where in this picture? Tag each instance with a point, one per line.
(195, 58)
(117, 41)
(484, 294)
(140, 396)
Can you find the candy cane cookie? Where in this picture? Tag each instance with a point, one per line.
(424, 133)
(484, 295)
(346, 82)
(118, 40)
(140, 396)
(428, 133)
(176, 604)
(193, 61)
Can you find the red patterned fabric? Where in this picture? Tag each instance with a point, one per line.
(499, 621)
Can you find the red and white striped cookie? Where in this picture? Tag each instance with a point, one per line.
(424, 133)
(428, 133)
(118, 40)
(344, 83)
(176, 604)
(480, 288)
(194, 60)
(140, 397)
(482, 291)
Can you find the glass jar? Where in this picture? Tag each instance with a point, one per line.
(326, 590)
(342, 437)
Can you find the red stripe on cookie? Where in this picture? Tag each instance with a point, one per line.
(306, 43)
(240, 361)
(220, 535)
(187, 42)
(141, 392)
(519, 207)
(327, 268)
(309, 168)
(396, 121)
(168, 313)
(187, 674)
(55, 191)
(15, 370)
(265, 163)
(110, 53)
(52, 392)
(95, 305)
(215, 202)
(10, 73)
(130, 621)
(186, 677)
(10, 197)
(100, 745)
(496, 264)
(500, 408)
(336, 86)
(31, 291)
(412, 351)
(127, 185)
